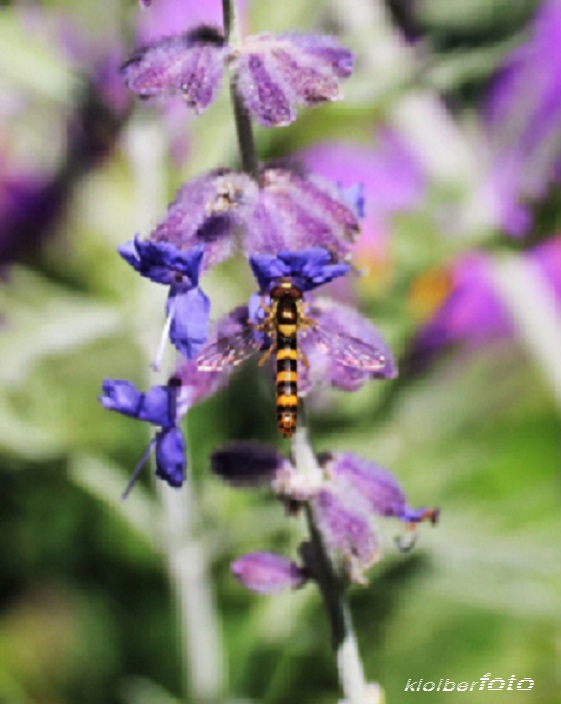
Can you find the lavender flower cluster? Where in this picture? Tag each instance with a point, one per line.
(291, 225)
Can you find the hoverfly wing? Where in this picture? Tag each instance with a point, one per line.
(347, 350)
(227, 352)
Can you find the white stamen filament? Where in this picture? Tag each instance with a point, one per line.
(157, 363)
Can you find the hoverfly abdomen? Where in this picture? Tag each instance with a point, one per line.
(286, 323)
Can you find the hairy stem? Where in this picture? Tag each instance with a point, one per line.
(244, 130)
(186, 557)
(349, 664)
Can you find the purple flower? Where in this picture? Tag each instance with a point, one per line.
(275, 75)
(468, 309)
(190, 65)
(266, 573)
(347, 533)
(289, 209)
(363, 481)
(159, 407)
(187, 306)
(307, 269)
(344, 350)
(278, 74)
(393, 182)
(297, 210)
(207, 212)
(523, 118)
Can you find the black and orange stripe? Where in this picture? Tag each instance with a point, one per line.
(286, 322)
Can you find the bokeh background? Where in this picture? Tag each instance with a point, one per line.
(452, 121)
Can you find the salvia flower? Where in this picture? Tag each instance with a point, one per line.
(278, 74)
(267, 573)
(307, 269)
(190, 65)
(158, 406)
(188, 307)
(274, 74)
(288, 209)
(345, 494)
(523, 119)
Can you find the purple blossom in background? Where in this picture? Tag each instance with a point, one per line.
(472, 312)
(392, 182)
(523, 120)
(266, 573)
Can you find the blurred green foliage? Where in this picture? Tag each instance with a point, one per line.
(86, 608)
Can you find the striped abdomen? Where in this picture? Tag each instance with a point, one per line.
(287, 366)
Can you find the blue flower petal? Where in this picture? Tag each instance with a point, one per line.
(157, 406)
(163, 262)
(171, 465)
(307, 269)
(190, 312)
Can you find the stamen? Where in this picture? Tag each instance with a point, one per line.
(157, 363)
(138, 469)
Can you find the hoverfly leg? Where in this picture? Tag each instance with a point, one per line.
(302, 357)
(266, 355)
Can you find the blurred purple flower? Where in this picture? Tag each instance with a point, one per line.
(523, 120)
(267, 573)
(392, 182)
(246, 464)
(471, 312)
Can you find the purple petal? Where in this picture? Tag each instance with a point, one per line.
(307, 268)
(337, 360)
(196, 386)
(298, 210)
(190, 65)
(266, 573)
(206, 212)
(171, 465)
(346, 533)
(190, 312)
(278, 74)
(376, 487)
(246, 463)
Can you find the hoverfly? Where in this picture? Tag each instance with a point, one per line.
(285, 319)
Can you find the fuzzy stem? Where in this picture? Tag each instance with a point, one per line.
(244, 130)
(186, 557)
(349, 663)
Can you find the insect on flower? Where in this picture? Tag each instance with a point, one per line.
(284, 321)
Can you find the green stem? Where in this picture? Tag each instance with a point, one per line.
(244, 129)
(331, 586)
